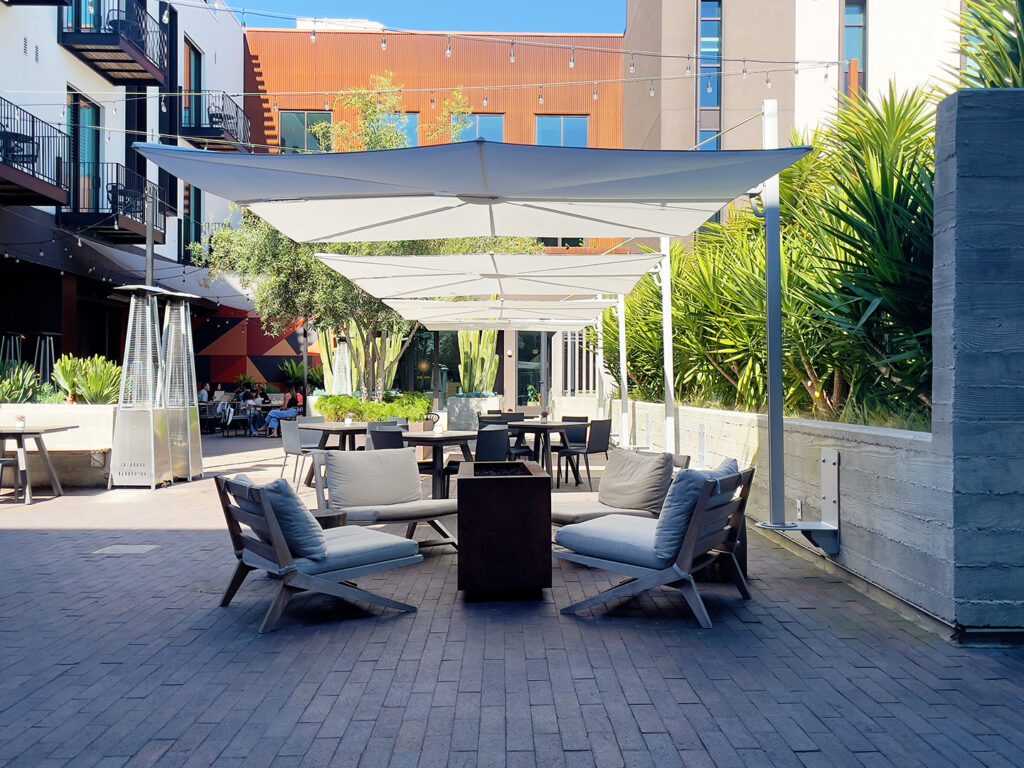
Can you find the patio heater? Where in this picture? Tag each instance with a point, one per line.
(179, 382)
(141, 455)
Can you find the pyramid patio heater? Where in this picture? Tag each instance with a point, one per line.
(141, 455)
(180, 388)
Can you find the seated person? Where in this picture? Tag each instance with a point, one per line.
(251, 409)
(290, 411)
(204, 393)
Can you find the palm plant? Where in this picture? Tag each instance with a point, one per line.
(293, 372)
(66, 372)
(19, 382)
(99, 381)
(992, 44)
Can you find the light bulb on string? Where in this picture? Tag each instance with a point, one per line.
(448, 48)
(767, 80)
(108, 137)
(796, 71)
(312, 36)
(651, 91)
(79, 242)
(63, 113)
(572, 57)
(114, 109)
(433, 101)
(744, 72)
(540, 95)
(709, 85)
(689, 66)
(826, 72)
(41, 254)
(163, 103)
(383, 43)
(632, 64)
(485, 101)
(327, 103)
(166, 18)
(594, 95)
(512, 53)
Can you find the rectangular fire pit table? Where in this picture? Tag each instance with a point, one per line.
(504, 528)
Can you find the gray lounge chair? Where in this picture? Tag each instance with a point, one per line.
(349, 553)
(667, 551)
(373, 487)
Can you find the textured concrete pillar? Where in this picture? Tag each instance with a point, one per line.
(978, 389)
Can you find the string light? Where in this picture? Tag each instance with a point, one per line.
(572, 58)
(709, 85)
(163, 104)
(767, 80)
(327, 103)
(540, 95)
(485, 101)
(448, 48)
(312, 36)
(651, 91)
(632, 64)
(383, 43)
(594, 95)
(512, 53)
(167, 16)
(433, 102)
(744, 72)
(689, 66)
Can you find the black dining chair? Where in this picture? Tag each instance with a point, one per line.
(373, 427)
(491, 445)
(386, 438)
(597, 442)
(575, 437)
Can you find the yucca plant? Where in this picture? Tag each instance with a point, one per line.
(292, 371)
(19, 382)
(992, 44)
(245, 381)
(99, 381)
(66, 372)
(478, 361)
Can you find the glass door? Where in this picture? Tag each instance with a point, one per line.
(528, 359)
(83, 125)
(192, 104)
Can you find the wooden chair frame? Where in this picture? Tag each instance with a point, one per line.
(253, 553)
(713, 534)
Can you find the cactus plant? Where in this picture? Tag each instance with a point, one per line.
(478, 362)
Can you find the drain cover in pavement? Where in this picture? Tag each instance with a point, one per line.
(126, 549)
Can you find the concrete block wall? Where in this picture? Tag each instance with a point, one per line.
(896, 525)
(979, 346)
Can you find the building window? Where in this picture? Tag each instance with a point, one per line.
(295, 130)
(561, 242)
(83, 126)
(192, 101)
(562, 130)
(709, 140)
(854, 44)
(488, 127)
(710, 81)
(410, 127)
(191, 222)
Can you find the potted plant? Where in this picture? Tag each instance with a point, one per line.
(478, 369)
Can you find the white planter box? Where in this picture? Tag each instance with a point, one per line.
(463, 411)
(81, 456)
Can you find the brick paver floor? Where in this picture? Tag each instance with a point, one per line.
(126, 660)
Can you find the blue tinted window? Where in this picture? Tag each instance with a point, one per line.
(854, 41)
(563, 130)
(710, 88)
(489, 127)
(295, 133)
(710, 41)
(711, 9)
(714, 143)
(411, 127)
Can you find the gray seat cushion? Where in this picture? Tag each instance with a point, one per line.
(361, 478)
(621, 538)
(680, 503)
(353, 546)
(569, 508)
(635, 480)
(407, 512)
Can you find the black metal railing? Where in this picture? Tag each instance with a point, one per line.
(125, 18)
(32, 145)
(113, 190)
(216, 110)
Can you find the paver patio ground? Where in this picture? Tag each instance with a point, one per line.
(126, 660)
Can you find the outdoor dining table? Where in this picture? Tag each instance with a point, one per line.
(19, 435)
(437, 441)
(542, 429)
(346, 432)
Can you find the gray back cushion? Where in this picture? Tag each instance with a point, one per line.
(680, 504)
(247, 503)
(636, 480)
(302, 532)
(363, 478)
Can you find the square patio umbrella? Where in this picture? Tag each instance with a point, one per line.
(501, 311)
(503, 275)
(469, 189)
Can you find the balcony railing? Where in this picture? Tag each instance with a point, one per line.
(33, 146)
(214, 116)
(126, 20)
(110, 191)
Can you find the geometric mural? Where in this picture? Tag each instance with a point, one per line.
(231, 342)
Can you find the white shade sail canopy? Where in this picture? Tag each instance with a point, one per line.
(471, 189)
(493, 274)
(551, 326)
(427, 311)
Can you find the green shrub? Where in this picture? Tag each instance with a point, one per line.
(66, 372)
(19, 383)
(50, 395)
(413, 406)
(245, 381)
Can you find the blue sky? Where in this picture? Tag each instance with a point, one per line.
(456, 15)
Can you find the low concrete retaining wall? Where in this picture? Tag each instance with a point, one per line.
(81, 456)
(895, 489)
